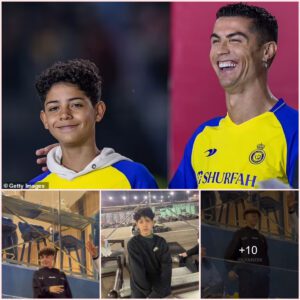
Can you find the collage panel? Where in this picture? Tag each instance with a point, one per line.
(150, 244)
(98, 113)
(50, 244)
(234, 101)
(92, 77)
(249, 244)
(193, 105)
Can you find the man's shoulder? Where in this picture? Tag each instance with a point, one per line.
(282, 105)
(210, 123)
(287, 115)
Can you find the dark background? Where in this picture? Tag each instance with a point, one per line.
(129, 42)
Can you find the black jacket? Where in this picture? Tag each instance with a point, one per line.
(44, 278)
(150, 267)
(237, 249)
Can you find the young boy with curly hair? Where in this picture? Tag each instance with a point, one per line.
(71, 96)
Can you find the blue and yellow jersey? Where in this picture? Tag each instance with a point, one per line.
(224, 155)
(120, 175)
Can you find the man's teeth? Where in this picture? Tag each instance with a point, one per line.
(227, 64)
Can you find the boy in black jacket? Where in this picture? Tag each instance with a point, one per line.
(249, 248)
(149, 259)
(49, 282)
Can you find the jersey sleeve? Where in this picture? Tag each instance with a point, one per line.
(185, 177)
(138, 175)
(39, 178)
(288, 118)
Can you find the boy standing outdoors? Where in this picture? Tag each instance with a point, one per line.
(49, 282)
(70, 93)
(149, 259)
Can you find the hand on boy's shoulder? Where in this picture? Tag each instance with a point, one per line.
(42, 156)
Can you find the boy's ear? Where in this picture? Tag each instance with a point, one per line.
(100, 108)
(44, 119)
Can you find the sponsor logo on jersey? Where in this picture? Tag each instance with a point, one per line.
(226, 178)
(257, 156)
(210, 152)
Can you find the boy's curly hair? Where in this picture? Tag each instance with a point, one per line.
(81, 72)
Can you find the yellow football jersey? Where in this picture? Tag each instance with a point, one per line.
(121, 175)
(224, 155)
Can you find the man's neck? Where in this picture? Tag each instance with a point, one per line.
(77, 158)
(248, 103)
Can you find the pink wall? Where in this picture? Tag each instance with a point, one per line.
(196, 95)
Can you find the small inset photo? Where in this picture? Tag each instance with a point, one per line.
(50, 242)
(150, 244)
(249, 244)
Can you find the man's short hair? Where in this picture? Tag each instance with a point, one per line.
(81, 72)
(144, 212)
(263, 22)
(47, 251)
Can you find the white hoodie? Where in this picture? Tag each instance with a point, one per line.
(106, 158)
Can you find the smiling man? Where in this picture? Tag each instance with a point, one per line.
(256, 143)
(71, 96)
